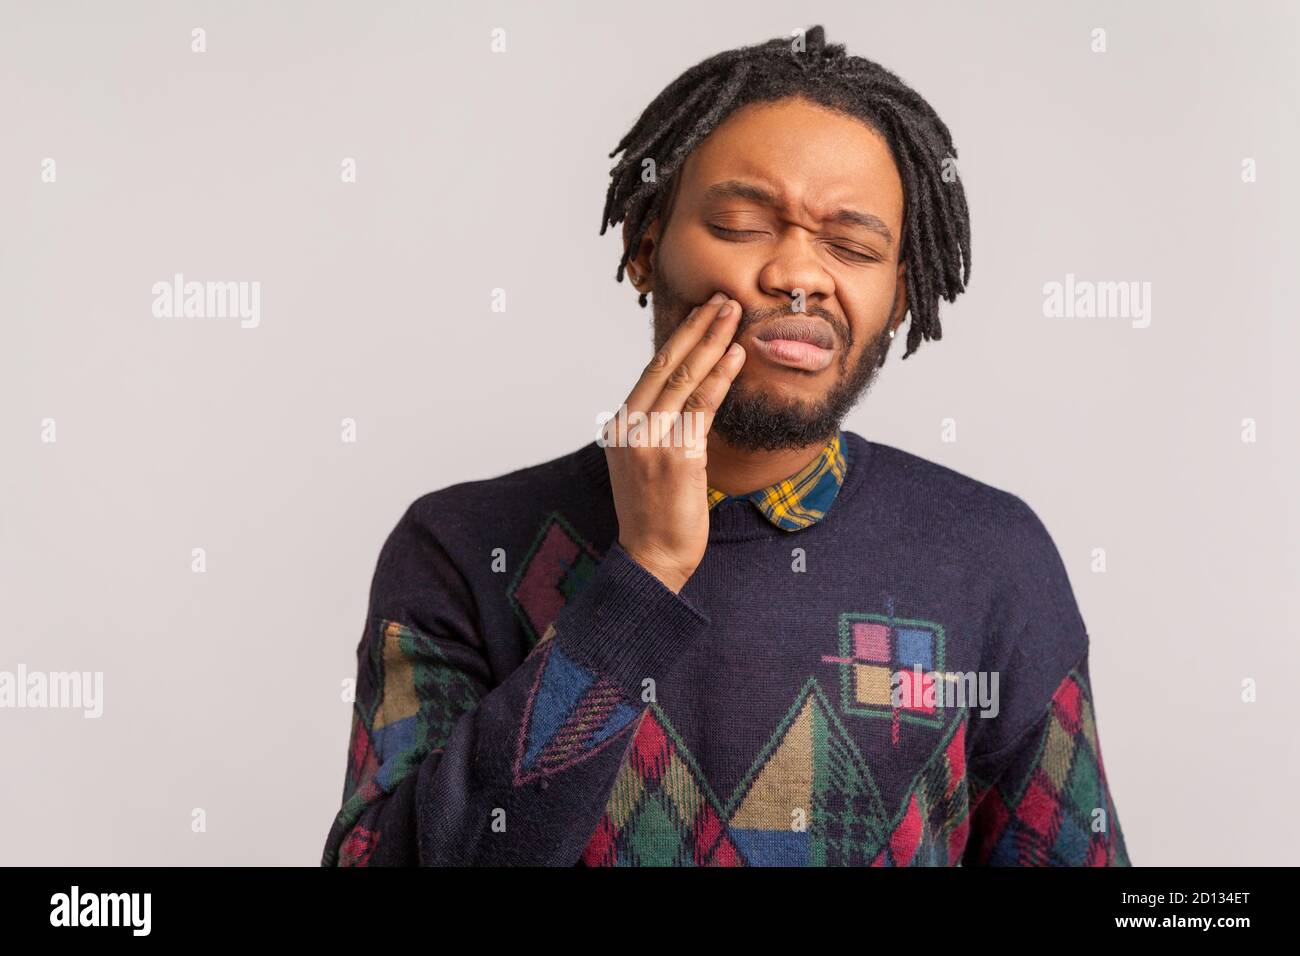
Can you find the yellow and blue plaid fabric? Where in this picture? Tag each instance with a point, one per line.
(802, 499)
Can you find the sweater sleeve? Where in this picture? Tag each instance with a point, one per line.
(1043, 800)
(1037, 785)
(449, 766)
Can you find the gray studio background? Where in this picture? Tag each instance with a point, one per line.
(476, 171)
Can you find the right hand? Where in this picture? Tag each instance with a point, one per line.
(661, 493)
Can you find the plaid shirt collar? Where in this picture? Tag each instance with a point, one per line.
(802, 499)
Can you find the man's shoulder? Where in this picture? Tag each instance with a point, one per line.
(936, 490)
(495, 501)
(936, 505)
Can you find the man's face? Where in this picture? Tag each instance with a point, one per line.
(786, 205)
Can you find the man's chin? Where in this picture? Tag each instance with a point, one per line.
(780, 394)
(756, 419)
(789, 386)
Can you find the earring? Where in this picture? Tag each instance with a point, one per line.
(891, 333)
(633, 275)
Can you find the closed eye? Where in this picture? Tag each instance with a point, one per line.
(854, 255)
(724, 231)
(737, 235)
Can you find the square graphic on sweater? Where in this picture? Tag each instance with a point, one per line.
(875, 652)
(871, 684)
(870, 641)
(915, 648)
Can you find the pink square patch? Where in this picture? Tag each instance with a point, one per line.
(870, 641)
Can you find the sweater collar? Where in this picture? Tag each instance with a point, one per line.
(802, 499)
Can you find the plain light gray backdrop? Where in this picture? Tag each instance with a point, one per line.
(477, 171)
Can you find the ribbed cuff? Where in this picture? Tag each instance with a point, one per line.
(626, 624)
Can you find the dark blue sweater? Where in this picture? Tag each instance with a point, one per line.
(904, 682)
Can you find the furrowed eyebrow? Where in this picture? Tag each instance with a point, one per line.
(736, 189)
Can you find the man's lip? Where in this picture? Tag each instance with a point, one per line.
(797, 330)
(795, 354)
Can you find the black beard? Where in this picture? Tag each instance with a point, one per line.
(753, 420)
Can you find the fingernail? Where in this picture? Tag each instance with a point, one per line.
(735, 349)
(725, 311)
(717, 297)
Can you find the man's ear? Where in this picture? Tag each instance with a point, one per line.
(640, 265)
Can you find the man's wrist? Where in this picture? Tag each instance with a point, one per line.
(674, 579)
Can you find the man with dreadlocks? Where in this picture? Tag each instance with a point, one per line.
(784, 644)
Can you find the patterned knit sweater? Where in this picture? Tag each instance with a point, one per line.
(903, 682)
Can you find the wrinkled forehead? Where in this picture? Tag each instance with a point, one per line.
(813, 160)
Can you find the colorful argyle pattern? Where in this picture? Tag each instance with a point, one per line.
(572, 714)
(557, 564)
(409, 696)
(808, 800)
(1051, 807)
(802, 499)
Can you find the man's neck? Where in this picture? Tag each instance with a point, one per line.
(737, 471)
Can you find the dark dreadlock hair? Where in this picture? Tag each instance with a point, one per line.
(936, 227)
